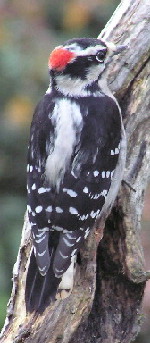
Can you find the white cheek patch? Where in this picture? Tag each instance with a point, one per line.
(94, 72)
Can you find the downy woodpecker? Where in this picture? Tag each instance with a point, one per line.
(76, 159)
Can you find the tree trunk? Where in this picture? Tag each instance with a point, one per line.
(105, 305)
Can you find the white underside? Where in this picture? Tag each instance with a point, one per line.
(66, 119)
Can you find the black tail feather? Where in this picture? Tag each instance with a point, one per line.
(40, 290)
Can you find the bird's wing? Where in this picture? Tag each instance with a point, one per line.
(41, 141)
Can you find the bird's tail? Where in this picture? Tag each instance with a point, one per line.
(40, 290)
(63, 249)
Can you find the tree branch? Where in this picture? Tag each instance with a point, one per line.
(105, 305)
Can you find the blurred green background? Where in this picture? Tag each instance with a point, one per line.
(29, 30)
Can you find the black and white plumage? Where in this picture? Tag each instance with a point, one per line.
(75, 163)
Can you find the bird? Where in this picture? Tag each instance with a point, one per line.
(76, 159)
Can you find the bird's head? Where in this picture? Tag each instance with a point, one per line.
(79, 62)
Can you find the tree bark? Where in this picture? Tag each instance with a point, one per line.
(105, 305)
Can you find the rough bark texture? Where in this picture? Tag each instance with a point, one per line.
(105, 305)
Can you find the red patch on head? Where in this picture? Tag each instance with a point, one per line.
(59, 58)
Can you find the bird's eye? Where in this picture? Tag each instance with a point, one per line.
(100, 56)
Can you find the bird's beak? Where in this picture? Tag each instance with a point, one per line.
(119, 49)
